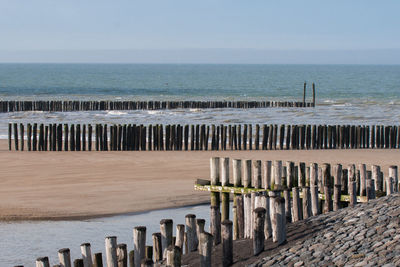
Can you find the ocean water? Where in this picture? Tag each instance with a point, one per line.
(26, 241)
(346, 94)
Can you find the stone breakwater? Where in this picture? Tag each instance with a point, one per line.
(366, 235)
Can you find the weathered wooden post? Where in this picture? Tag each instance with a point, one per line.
(146, 263)
(122, 255)
(306, 202)
(313, 94)
(370, 189)
(277, 174)
(393, 173)
(363, 179)
(42, 262)
(192, 240)
(237, 181)
(376, 177)
(326, 175)
(352, 193)
(200, 223)
(304, 94)
(314, 188)
(180, 236)
(139, 243)
(247, 215)
(10, 135)
(111, 251)
(297, 208)
(206, 243)
(289, 174)
(288, 209)
(174, 256)
(257, 174)
(157, 250)
(64, 256)
(267, 174)
(247, 173)
(239, 233)
(225, 182)
(166, 235)
(86, 255)
(258, 230)
(78, 263)
(97, 260)
(21, 129)
(389, 185)
(227, 243)
(215, 224)
(337, 186)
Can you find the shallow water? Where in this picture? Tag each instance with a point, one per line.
(23, 242)
(346, 94)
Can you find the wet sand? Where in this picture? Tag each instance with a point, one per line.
(79, 185)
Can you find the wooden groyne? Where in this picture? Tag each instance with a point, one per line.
(66, 106)
(266, 197)
(134, 137)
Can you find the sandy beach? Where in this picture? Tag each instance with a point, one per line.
(79, 185)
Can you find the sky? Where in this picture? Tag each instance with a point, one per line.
(207, 31)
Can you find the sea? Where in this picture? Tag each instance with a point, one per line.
(345, 94)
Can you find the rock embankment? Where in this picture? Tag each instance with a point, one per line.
(366, 235)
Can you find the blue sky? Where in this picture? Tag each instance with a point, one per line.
(43, 30)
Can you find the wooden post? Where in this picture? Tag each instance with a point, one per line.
(314, 188)
(258, 230)
(247, 215)
(42, 262)
(10, 135)
(166, 235)
(86, 255)
(288, 209)
(225, 182)
(206, 243)
(389, 185)
(200, 223)
(267, 174)
(214, 177)
(393, 173)
(302, 174)
(111, 251)
(313, 94)
(97, 260)
(337, 186)
(15, 125)
(180, 236)
(139, 243)
(240, 217)
(215, 224)
(78, 263)
(297, 209)
(363, 179)
(157, 251)
(277, 174)
(247, 173)
(191, 234)
(174, 255)
(64, 255)
(304, 94)
(289, 174)
(306, 202)
(122, 255)
(227, 243)
(376, 177)
(21, 129)
(353, 193)
(326, 175)
(370, 189)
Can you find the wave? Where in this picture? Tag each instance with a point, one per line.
(116, 112)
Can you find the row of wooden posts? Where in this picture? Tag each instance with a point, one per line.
(267, 196)
(65, 106)
(82, 137)
(166, 249)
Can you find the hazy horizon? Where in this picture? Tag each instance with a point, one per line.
(206, 56)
